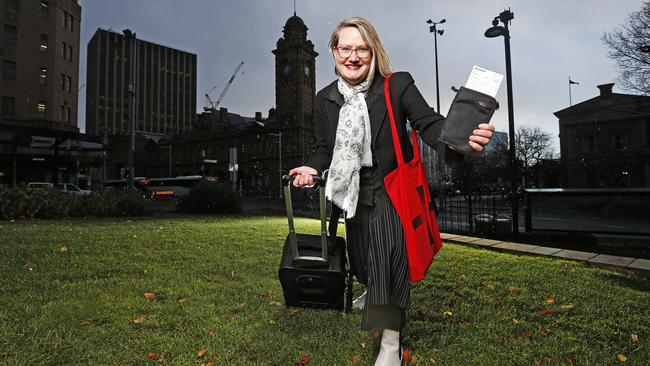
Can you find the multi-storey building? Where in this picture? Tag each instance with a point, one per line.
(165, 86)
(39, 51)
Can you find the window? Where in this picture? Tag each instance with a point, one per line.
(45, 9)
(61, 113)
(64, 50)
(11, 35)
(619, 141)
(588, 144)
(8, 106)
(69, 84)
(64, 20)
(69, 53)
(62, 82)
(68, 113)
(42, 79)
(13, 6)
(44, 42)
(41, 108)
(8, 70)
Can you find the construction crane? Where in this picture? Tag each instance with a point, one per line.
(212, 106)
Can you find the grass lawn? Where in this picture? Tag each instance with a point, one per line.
(194, 290)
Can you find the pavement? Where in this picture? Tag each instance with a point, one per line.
(638, 265)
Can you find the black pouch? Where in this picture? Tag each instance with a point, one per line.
(467, 111)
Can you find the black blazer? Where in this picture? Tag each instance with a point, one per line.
(407, 103)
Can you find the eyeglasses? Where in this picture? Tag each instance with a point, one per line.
(345, 52)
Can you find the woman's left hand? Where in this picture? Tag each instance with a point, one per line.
(481, 136)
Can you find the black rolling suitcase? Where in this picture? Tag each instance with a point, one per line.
(313, 270)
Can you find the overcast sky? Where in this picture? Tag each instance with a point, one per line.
(550, 41)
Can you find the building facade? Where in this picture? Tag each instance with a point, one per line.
(39, 51)
(605, 141)
(165, 91)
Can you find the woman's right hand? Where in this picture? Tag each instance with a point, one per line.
(303, 176)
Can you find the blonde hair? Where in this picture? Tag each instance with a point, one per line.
(380, 61)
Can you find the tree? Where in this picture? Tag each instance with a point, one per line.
(532, 145)
(629, 46)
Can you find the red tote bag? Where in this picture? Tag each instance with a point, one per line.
(408, 190)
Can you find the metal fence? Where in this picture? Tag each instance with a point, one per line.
(484, 213)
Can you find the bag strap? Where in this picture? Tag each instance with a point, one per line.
(393, 127)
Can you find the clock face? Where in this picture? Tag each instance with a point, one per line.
(307, 70)
(286, 70)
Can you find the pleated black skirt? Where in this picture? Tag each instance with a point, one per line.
(378, 258)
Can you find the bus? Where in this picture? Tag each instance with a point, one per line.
(170, 188)
(141, 184)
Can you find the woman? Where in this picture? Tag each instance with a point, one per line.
(354, 141)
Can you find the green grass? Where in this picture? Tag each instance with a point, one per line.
(216, 288)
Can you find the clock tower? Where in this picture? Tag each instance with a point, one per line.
(295, 83)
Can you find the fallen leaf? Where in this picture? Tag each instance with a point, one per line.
(546, 311)
(566, 306)
(182, 301)
(138, 320)
(516, 321)
(573, 269)
(149, 295)
(268, 293)
(406, 355)
(303, 361)
(621, 358)
(63, 249)
(86, 322)
(375, 334)
(432, 360)
(635, 337)
(356, 358)
(550, 301)
(153, 356)
(414, 359)
(537, 363)
(490, 285)
(29, 265)
(363, 345)
(512, 288)
(232, 274)
(272, 322)
(274, 303)
(292, 311)
(201, 352)
(210, 334)
(206, 364)
(569, 358)
(447, 313)
(527, 334)
(545, 330)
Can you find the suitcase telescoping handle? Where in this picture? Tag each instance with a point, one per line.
(297, 258)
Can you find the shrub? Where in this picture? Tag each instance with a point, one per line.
(210, 197)
(50, 203)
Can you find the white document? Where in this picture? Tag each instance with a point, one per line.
(484, 81)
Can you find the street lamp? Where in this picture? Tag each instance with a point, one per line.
(131, 37)
(496, 31)
(432, 29)
(279, 136)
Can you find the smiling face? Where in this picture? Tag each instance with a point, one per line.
(353, 69)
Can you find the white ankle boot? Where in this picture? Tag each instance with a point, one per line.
(389, 354)
(359, 302)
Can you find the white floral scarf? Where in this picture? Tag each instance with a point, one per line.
(351, 148)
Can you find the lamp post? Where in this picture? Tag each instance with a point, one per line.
(279, 136)
(432, 29)
(130, 36)
(495, 31)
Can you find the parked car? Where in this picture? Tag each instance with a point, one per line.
(73, 189)
(39, 185)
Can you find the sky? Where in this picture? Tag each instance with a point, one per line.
(550, 41)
